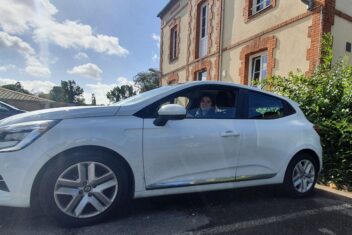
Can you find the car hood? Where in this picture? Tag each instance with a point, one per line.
(61, 113)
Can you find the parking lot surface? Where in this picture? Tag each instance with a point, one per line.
(263, 210)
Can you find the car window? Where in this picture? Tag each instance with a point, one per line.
(261, 106)
(202, 103)
(3, 108)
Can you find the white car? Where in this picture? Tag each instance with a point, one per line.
(81, 164)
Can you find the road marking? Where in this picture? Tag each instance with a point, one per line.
(268, 220)
(326, 231)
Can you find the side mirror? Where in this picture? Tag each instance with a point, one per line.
(170, 112)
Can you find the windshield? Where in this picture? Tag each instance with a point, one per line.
(144, 96)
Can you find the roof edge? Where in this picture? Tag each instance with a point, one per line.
(168, 6)
(27, 95)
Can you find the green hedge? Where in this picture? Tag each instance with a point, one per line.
(326, 99)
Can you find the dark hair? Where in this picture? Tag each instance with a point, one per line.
(208, 96)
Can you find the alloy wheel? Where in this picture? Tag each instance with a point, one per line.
(85, 189)
(303, 176)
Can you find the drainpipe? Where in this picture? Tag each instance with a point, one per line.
(221, 37)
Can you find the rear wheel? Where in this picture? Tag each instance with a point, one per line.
(301, 176)
(84, 188)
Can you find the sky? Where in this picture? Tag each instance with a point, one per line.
(99, 44)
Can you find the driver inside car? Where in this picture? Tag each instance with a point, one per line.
(206, 108)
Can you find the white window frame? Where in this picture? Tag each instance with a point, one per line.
(265, 3)
(263, 56)
(174, 35)
(203, 39)
(200, 76)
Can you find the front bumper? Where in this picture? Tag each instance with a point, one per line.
(18, 171)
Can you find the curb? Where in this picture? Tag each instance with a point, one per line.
(333, 192)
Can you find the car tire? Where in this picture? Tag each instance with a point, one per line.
(301, 176)
(69, 184)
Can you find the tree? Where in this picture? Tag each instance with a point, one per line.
(68, 92)
(16, 87)
(146, 81)
(94, 101)
(57, 94)
(120, 93)
(44, 95)
(72, 92)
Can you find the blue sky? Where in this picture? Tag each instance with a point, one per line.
(99, 44)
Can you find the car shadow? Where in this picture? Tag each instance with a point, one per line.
(220, 207)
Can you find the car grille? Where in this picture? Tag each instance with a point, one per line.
(3, 186)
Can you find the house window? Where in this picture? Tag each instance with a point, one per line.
(259, 5)
(258, 68)
(173, 43)
(348, 47)
(202, 75)
(203, 30)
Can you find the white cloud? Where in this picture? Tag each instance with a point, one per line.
(8, 41)
(72, 34)
(34, 66)
(81, 56)
(37, 16)
(33, 86)
(100, 89)
(157, 39)
(8, 67)
(124, 81)
(19, 16)
(155, 57)
(87, 70)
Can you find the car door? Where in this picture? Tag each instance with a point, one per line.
(265, 121)
(192, 151)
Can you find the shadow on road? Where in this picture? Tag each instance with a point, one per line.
(211, 208)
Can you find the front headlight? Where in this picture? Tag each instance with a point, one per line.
(18, 136)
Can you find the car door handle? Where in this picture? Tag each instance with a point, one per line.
(230, 134)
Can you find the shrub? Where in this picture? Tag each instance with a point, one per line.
(326, 99)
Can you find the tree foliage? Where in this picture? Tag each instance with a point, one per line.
(146, 81)
(120, 93)
(72, 92)
(68, 92)
(16, 87)
(57, 94)
(326, 99)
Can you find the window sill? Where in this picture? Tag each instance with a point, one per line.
(174, 60)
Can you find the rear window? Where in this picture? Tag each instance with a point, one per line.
(262, 106)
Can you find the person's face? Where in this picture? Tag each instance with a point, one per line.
(205, 103)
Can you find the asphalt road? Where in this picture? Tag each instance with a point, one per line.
(245, 211)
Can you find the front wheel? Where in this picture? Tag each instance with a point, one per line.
(83, 189)
(301, 176)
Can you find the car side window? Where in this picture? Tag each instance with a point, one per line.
(262, 106)
(201, 102)
(206, 103)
